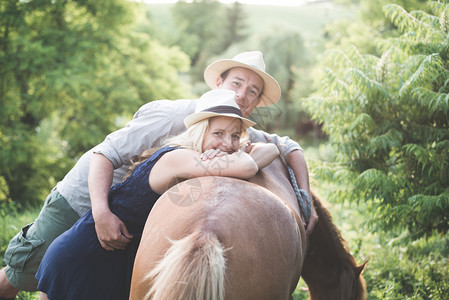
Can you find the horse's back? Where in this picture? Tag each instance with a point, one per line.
(260, 234)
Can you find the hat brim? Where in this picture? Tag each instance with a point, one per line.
(199, 116)
(271, 91)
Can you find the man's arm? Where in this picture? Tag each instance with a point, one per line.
(153, 122)
(297, 162)
(111, 231)
(294, 157)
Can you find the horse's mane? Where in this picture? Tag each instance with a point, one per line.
(326, 246)
(339, 246)
(327, 249)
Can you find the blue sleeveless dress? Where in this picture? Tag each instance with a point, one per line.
(75, 265)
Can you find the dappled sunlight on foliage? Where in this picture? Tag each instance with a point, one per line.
(387, 119)
(70, 70)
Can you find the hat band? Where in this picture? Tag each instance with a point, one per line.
(223, 109)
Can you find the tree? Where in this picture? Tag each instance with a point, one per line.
(69, 70)
(370, 24)
(388, 121)
(284, 63)
(198, 23)
(207, 28)
(234, 27)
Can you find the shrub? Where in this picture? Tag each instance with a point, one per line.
(388, 121)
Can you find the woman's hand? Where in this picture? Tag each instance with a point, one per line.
(211, 153)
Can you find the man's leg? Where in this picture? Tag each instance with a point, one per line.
(26, 249)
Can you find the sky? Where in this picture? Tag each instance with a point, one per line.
(256, 2)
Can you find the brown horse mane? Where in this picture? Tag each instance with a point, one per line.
(328, 253)
(328, 261)
(340, 245)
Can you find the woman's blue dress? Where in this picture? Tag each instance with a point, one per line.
(75, 265)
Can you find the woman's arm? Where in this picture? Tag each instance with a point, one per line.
(183, 164)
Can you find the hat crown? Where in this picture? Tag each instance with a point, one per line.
(216, 98)
(216, 103)
(251, 58)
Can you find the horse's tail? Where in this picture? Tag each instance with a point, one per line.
(193, 268)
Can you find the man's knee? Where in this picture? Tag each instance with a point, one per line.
(26, 250)
(23, 256)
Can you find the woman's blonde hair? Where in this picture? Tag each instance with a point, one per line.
(192, 139)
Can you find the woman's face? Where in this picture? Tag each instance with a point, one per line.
(223, 134)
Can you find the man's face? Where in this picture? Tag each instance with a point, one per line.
(247, 85)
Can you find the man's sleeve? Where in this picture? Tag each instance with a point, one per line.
(285, 144)
(151, 124)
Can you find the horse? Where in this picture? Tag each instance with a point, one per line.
(330, 271)
(225, 238)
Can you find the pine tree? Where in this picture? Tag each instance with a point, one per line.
(388, 122)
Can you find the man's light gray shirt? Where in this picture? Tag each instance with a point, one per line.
(151, 124)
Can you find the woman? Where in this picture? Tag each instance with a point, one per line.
(76, 266)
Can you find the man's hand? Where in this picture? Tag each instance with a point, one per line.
(312, 220)
(111, 232)
(247, 147)
(297, 162)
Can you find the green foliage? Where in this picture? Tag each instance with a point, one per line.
(370, 24)
(197, 23)
(207, 28)
(388, 118)
(234, 27)
(284, 65)
(399, 266)
(416, 271)
(68, 66)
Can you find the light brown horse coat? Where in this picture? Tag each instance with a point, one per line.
(223, 238)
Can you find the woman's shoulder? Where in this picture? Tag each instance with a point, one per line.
(156, 155)
(164, 150)
(179, 160)
(181, 154)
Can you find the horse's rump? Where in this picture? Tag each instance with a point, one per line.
(262, 243)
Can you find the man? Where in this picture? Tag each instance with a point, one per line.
(87, 185)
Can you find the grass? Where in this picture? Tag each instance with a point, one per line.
(11, 221)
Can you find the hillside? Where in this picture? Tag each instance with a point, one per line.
(308, 19)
